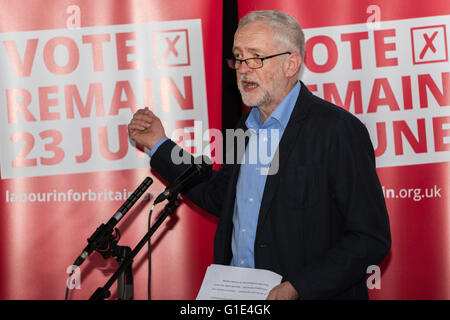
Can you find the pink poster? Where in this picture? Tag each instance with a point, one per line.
(73, 73)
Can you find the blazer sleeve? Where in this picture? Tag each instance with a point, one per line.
(357, 194)
(206, 192)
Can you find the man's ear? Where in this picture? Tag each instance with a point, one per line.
(292, 64)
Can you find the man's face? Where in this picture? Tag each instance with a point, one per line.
(263, 87)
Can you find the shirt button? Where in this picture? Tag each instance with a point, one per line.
(250, 199)
(265, 139)
(242, 262)
(243, 230)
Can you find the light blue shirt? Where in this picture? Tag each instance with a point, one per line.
(259, 153)
(156, 146)
(258, 156)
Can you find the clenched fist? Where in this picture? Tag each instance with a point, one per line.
(145, 128)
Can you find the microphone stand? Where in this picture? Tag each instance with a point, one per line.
(103, 292)
(125, 289)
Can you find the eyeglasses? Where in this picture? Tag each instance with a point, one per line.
(252, 63)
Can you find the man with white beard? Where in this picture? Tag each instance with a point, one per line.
(319, 219)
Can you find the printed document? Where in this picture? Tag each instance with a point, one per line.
(234, 283)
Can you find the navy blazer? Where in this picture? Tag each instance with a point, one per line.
(323, 218)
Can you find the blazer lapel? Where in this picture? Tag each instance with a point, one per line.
(285, 147)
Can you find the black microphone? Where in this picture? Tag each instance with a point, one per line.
(100, 238)
(198, 168)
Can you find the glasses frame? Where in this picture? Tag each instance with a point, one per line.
(231, 62)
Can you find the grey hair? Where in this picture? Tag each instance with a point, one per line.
(287, 29)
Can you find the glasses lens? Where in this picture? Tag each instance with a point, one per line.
(254, 63)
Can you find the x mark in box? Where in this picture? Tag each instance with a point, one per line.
(429, 44)
(171, 48)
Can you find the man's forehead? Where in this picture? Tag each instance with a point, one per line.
(237, 48)
(253, 37)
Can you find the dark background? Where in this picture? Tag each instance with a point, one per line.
(231, 99)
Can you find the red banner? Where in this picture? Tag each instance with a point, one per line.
(73, 73)
(388, 63)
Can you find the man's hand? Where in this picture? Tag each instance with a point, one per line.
(283, 291)
(145, 128)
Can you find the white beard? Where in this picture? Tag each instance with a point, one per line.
(262, 100)
(268, 92)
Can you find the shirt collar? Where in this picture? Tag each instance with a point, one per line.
(280, 115)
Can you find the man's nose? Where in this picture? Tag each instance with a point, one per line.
(244, 68)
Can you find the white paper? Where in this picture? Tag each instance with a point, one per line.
(234, 283)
